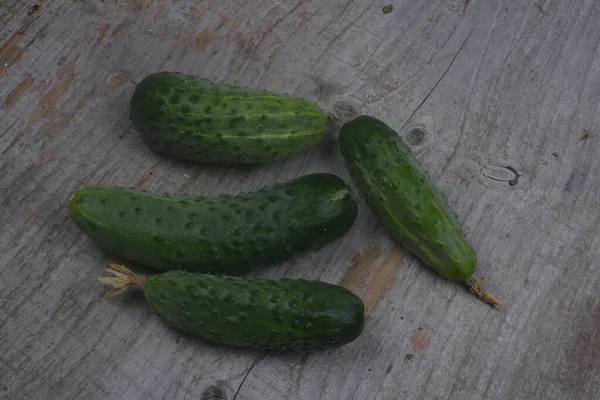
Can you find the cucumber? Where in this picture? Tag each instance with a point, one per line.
(220, 235)
(192, 118)
(284, 315)
(403, 197)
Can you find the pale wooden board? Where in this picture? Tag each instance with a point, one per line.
(475, 86)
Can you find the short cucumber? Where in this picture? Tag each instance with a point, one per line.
(404, 198)
(192, 118)
(284, 315)
(224, 234)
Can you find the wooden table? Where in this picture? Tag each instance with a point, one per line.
(499, 100)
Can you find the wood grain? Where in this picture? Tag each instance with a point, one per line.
(499, 100)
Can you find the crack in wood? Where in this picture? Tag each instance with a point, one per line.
(438, 81)
(246, 375)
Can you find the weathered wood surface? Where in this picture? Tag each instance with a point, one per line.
(474, 86)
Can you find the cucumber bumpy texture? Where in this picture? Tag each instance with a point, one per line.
(284, 315)
(192, 118)
(404, 198)
(220, 235)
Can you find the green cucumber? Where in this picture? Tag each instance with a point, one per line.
(284, 315)
(192, 118)
(404, 198)
(225, 234)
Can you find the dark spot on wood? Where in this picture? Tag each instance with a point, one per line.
(586, 135)
(33, 9)
(388, 9)
(416, 137)
(409, 357)
(389, 368)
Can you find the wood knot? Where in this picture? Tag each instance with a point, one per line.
(213, 392)
(501, 174)
(417, 137)
(346, 108)
(456, 5)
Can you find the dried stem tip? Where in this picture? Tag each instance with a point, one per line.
(122, 280)
(478, 290)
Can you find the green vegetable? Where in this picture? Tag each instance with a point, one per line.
(229, 235)
(192, 118)
(285, 315)
(404, 198)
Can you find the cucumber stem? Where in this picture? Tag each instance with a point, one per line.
(122, 281)
(477, 289)
(331, 117)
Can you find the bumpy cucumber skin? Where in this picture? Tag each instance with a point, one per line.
(404, 198)
(284, 315)
(229, 235)
(192, 118)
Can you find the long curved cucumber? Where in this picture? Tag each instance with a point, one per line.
(224, 234)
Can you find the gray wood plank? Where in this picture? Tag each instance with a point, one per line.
(499, 100)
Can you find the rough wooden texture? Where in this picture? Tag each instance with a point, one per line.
(499, 99)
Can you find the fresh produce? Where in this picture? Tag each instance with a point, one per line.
(405, 200)
(221, 235)
(285, 315)
(192, 118)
